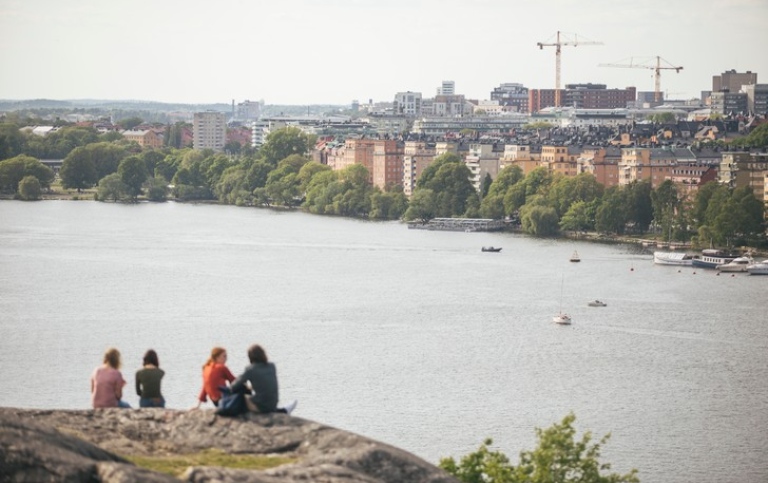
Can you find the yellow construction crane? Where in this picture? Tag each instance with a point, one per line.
(646, 63)
(557, 44)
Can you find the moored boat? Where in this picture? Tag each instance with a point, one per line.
(673, 258)
(759, 268)
(491, 249)
(562, 319)
(711, 258)
(575, 257)
(738, 264)
(597, 303)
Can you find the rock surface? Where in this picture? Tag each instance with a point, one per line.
(58, 445)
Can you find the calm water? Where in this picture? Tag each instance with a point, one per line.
(410, 337)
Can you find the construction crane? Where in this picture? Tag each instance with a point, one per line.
(557, 44)
(645, 63)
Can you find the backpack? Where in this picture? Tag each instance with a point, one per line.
(231, 404)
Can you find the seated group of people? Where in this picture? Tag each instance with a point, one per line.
(259, 381)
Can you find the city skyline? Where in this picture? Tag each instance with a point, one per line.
(300, 52)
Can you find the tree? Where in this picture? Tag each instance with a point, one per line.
(13, 170)
(29, 188)
(11, 140)
(539, 220)
(157, 188)
(283, 142)
(559, 457)
(111, 187)
(130, 122)
(422, 206)
(133, 173)
(577, 218)
(449, 179)
(612, 214)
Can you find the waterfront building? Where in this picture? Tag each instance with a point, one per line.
(209, 130)
(483, 159)
(387, 165)
(744, 169)
(417, 155)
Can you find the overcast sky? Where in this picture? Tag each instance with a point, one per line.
(334, 51)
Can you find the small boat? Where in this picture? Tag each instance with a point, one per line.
(672, 258)
(759, 268)
(575, 256)
(597, 303)
(711, 258)
(491, 249)
(738, 264)
(562, 319)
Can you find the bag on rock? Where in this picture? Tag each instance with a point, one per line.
(231, 404)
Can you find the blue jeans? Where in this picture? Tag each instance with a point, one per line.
(123, 404)
(151, 402)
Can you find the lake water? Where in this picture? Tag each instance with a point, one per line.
(411, 337)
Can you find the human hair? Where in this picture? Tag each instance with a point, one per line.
(112, 358)
(150, 357)
(215, 353)
(256, 354)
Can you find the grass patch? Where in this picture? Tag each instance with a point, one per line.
(176, 464)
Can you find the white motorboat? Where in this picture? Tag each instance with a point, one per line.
(597, 303)
(711, 258)
(562, 319)
(759, 268)
(672, 258)
(738, 264)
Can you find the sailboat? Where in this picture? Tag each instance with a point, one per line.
(575, 257)
(562, 318)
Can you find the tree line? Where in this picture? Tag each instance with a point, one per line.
(280, 173)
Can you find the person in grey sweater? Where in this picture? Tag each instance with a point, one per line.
(261, 378)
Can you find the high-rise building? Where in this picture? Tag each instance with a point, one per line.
(510, 94)
(732, 80)
(447, 88)
(407, 104)
(248, 111)
(209, 130)
(757, 98)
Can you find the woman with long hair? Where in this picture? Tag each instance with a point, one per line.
(215, 374)
(107, 382)
(260, 377)
(148, 382)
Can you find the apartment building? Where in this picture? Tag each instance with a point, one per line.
(725, 102)
(387, 166)
(483, 159)
(407, 104)
(561, 159)
(209, 130)
(526, 157)
(582, 96)
(417, 155)
(732, 81)
(143, 138)
(743, 169)
(757, 98)
(511, 95)
(651, 164)
(602, 163)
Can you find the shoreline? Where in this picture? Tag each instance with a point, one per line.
(648, 244)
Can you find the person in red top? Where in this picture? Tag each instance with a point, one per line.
(215, 374)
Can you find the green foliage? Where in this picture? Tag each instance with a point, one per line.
(111, 187)
(423, 205)
(531, 126)
(11, 140)
(559, 457)
(390, 205)
(758, 138)
(130, 122)
(29, 188)
(176, 465)
(157, 188)
(284, 142)
(539, 219)
(662, 117)
(133, 173)
(13, 170)
(449, 180)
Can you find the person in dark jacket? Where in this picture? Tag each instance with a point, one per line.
(261, 378)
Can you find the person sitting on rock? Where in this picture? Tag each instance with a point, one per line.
(215, 375)
(148, 382)
(261, 378)
(107, 383)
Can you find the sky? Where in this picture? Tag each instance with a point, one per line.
(301, 52)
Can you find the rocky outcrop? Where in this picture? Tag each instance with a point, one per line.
(90, 445)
